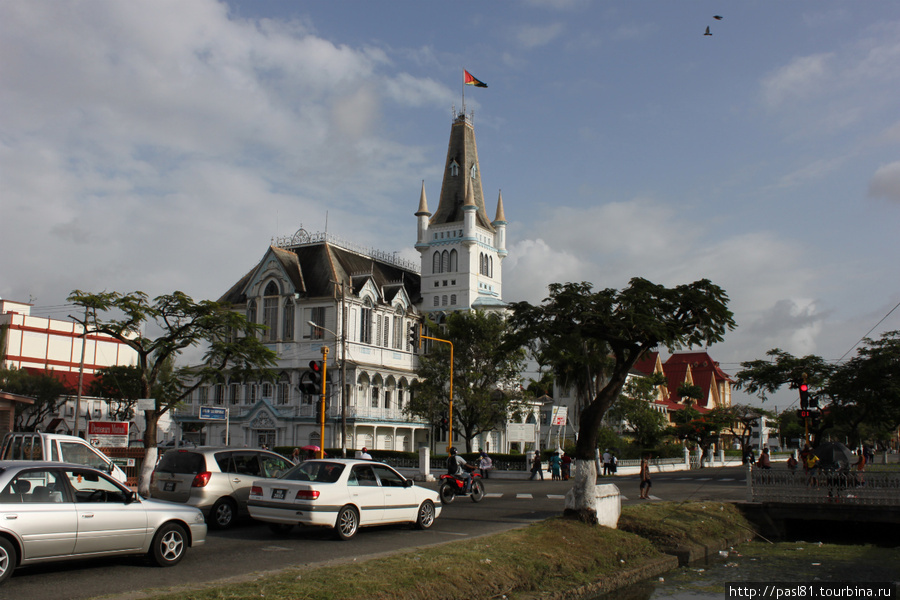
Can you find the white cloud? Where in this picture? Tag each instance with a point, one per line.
(800, 79)
(885, 183)
(535, 36)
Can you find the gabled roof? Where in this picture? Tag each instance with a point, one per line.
(317, 270)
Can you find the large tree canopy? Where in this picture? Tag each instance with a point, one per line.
(48, 392)
(486, 374)
(592, 339)
(231, 342)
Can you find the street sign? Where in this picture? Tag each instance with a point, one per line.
(146, 404)
(108, 434)
(560, 413)
(213, 413)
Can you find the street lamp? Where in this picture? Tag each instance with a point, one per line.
(343, 387)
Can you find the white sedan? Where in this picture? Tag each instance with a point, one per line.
(344, 495)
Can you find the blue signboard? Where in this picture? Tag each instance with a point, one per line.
(213, 413)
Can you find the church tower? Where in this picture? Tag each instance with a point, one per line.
(462, 249)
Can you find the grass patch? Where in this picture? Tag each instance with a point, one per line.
(546, 558)
(669, 525)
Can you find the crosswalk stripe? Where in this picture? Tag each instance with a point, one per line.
(493, 495)
(524, 496)
(652, 497)
(727, 479)
(555, 497)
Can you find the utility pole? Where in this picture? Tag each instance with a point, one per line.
(81, 370)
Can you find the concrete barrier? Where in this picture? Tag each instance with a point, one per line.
(608, 504)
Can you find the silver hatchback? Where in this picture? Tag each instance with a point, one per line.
(216, 480)
(51, 511)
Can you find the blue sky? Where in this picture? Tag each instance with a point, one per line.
(161, 145)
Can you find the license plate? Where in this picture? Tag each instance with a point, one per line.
(169, 486)
(278, 494)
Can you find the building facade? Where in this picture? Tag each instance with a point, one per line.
(315, 290)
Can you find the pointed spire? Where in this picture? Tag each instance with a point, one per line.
(470, 196)
(423, 203)
(500, 218)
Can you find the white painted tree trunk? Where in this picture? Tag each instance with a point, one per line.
(147, 471)
(584, 492)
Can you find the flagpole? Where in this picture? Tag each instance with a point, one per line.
(464, 92)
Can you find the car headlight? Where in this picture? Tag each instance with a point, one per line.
(198, 518)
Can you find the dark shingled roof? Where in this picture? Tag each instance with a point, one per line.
(317, 270)
(464, 152)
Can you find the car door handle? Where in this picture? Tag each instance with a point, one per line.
(12, 517)
(87, 515)
(236, 480)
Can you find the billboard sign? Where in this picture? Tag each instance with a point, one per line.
(108, 434)
(213, 413)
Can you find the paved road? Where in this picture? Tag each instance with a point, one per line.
(250, 547)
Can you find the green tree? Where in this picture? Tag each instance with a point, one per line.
(739, 419)
(702, 429)
(634, 409)
(120, 386)
(231, 346)
(486, 372)
(48, 392)
(865, 391)
(593, 339)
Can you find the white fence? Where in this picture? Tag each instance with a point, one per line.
(867, 488)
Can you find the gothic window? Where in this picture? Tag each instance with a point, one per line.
(398, 333)
(386, 334)
(474, 171)
(235, 393)
(445, 262)
(284, 389)
(452, 299)
(270, 312)
(288, 321)
(437, 300)
(490, 266)
(454, 169)
(436, 262)
(251, 310)
(454, 261)
(444, 300)
(365, 324)
(375, 397)
(387, 398)
(267, 391)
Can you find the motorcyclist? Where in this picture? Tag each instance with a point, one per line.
(458, 467)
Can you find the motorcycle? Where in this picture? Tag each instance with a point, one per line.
(453, 486)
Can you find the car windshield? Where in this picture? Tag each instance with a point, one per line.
(323, 472)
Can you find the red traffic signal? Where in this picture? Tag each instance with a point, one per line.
(804, 395)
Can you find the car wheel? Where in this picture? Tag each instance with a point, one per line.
(7, 558)
(347, 523)
(280, 528)
(426, 515)
(223, 513)
(169, 545)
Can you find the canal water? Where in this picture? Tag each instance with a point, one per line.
(800, 563)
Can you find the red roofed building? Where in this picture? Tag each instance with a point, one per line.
(692, 368)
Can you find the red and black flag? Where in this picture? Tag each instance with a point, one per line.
(472, 81)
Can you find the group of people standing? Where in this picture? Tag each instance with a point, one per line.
(558, 466)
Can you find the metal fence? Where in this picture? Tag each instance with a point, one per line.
(867, 488)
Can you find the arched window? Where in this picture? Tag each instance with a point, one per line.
(270, 311)
(365, 323)
(251, 310)
(437, 300)
(490, 266)
(452, 299)
(444, 300)
(454, 261)
(445, 262)
(436, 263)
(284, 389)
(235, 392)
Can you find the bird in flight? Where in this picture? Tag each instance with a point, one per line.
(707, 32)
(718, 17)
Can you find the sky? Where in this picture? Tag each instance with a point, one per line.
(162, 145)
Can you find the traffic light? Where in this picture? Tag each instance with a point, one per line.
(804, 395)
(315, 374)
(414, 339)
(813, 402)
(444, 422)
(804, 413)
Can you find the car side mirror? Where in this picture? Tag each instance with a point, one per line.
(129, 496)
(408, 483)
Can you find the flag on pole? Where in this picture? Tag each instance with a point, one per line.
(472, 81)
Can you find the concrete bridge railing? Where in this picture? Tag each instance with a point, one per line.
(837, 487)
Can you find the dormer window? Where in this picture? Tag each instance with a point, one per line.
(454, 169)
(474, 170)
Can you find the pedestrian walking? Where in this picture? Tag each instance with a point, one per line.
(485, 464)
(645, 479)
(605, 460)
(555, 466)
(566, 466)
(536, 466)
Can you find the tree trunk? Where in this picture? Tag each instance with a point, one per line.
(584, 493)
(151, 418)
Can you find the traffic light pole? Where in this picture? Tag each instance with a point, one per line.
(450, 413)
(322, 415)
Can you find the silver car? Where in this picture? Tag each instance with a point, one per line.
(53, 511)
(216, 480)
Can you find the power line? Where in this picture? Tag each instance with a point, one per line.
(870, 331)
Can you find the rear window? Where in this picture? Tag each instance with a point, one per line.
(323, 472)
(182, 461)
